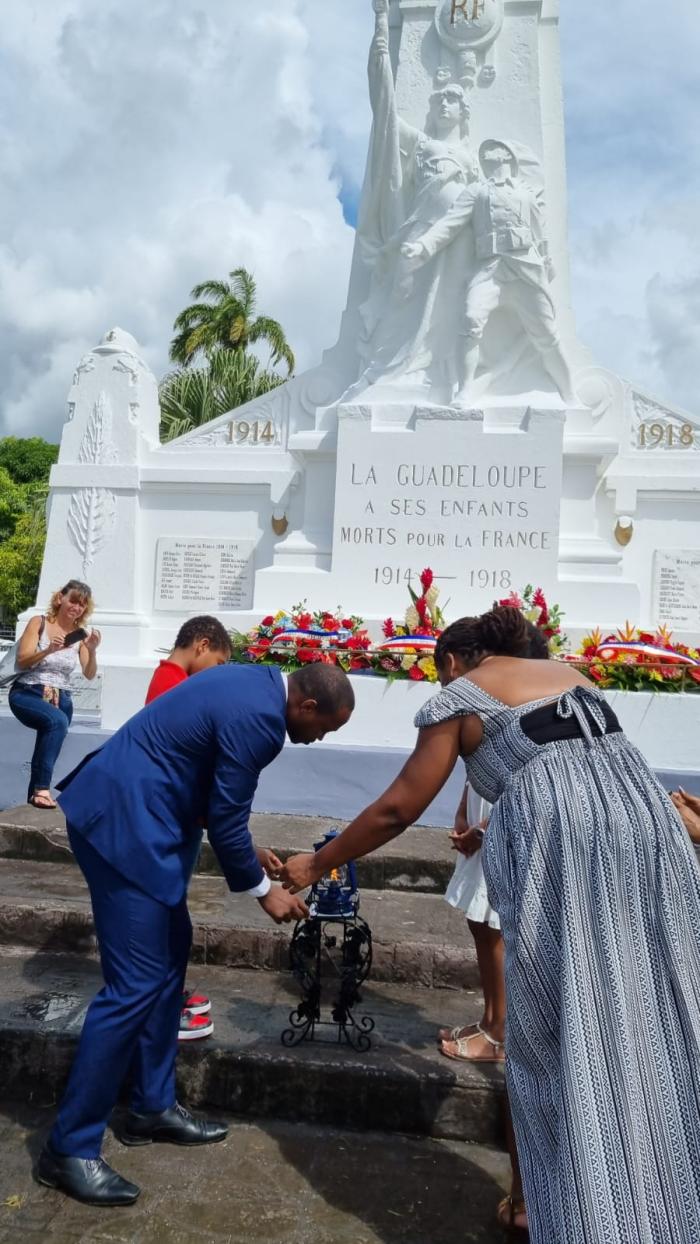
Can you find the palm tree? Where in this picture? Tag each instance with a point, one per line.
(227, 320)
(191, 396)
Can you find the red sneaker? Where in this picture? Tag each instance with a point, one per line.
(197, 1003)
(194, 1027)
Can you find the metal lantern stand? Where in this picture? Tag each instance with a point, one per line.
(337, 939)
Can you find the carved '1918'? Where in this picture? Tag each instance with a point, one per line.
(666, 436)
(471, 10)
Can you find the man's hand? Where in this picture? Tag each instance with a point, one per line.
(282, 907)
(300, 872)
(270, 863)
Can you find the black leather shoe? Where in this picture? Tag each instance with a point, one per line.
(89, 1180)
(176, 1126)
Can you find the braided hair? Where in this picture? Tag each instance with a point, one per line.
(503, 631)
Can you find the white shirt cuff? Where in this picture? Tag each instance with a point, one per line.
(260, 890)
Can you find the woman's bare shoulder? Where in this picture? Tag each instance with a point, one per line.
(516, 680)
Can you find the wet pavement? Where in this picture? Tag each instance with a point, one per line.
(277, 1183)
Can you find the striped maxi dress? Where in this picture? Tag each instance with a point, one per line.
(598, 891)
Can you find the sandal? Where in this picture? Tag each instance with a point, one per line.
(462, 1054)
(454, 1034)
(508, 1210)
(42, 801)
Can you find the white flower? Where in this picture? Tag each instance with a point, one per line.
(432, 596)
(412, 618)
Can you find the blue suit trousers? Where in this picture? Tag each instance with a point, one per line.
(132, 1024)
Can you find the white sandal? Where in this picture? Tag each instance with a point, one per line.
(462, 1054)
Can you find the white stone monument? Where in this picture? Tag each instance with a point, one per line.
(457, 423)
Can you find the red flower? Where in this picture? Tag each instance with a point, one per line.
(347, 624)
(422, 608)
(308, 655)
(596, 672)
(513, 600)
(359, 663)
(645, 637)
(358, 641)
(304, 621)
(388, 628)
(538, 598)
(426, 579)
(263, 642)
(416, 674)
(268, 620)
(329, 623)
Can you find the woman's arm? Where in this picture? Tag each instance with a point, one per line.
(420, 780)
(27, 654)
(88, 654)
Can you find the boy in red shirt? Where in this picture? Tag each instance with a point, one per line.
(201, 643)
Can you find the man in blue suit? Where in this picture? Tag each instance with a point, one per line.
(133, 812)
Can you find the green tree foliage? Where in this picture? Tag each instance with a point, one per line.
(227, 320)
(191, 396)
(28, 460)
(24, 479)
(20, 564)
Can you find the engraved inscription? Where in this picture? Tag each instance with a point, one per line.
(470, 10)
(204, 574)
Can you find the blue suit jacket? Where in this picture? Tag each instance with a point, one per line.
(192, 756)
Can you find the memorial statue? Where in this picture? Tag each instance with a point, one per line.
(513, 264)
(413, 178)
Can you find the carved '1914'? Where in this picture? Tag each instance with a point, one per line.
(471, 10)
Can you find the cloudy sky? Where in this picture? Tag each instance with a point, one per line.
(146, 146)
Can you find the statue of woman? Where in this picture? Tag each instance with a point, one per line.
(412, 180)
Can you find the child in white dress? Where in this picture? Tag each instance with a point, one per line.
(482, 1042)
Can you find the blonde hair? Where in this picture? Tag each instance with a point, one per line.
(81, 589)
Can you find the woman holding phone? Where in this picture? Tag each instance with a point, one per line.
(50, 649)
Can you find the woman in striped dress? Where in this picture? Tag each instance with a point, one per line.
(598, 891)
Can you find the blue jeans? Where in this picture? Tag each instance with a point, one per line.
(132, 1023)
(51, 724)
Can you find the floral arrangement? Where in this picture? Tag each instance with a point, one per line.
(298, 637)
(293, 638)
(533, 605)
(407, 651)
(636, 660)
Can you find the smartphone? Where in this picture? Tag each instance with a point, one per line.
(75, 637)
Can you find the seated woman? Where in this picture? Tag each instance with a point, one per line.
(40, 697)
(595, 882)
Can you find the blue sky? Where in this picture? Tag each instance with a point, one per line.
(146, 147)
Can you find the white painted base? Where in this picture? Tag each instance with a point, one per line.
(665, 727)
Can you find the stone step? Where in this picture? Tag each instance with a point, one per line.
(417, 938)
(402, 1084)
(268, 1183)
(420, 859)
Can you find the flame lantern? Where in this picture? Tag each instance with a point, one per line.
(335, 945)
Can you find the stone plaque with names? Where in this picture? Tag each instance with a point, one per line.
(480, 507)
(676, 588)
(200, 576)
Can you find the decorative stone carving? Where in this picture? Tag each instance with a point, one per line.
(469, 23)
(97, 447)
(655, 427)
(91, 520)
(92, 511)
(86, 364)
(413, 178)
(513, 266)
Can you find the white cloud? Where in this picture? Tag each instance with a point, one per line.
(145, 147)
